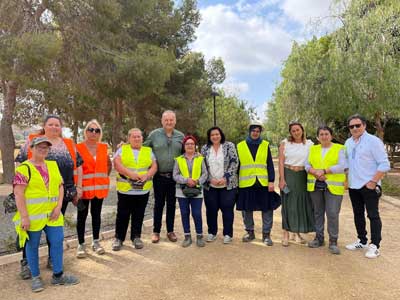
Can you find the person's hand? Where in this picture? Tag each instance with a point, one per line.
(25, 223)
(134, 176)
(319, 173)
(282, 184)
(191, 182)
(75, 200)
(371, 185)
(321, 178)
(271, 187)
(222, 181)
(143, 177)
(55, 214)
(79, 192)
(214, 181)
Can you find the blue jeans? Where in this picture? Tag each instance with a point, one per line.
(185, 204)
(224, 200)
(55, 234)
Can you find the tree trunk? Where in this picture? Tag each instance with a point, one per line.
(380, 131)
(7, 142)
(117, 124)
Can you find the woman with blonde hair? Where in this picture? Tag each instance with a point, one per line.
(96, 169)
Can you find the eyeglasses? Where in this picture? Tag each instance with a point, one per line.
(96, 130)
(355, 126)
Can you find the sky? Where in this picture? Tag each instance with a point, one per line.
(254, 37)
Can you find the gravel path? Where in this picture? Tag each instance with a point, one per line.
(237, 271)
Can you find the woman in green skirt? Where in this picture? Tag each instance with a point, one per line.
(297, 213)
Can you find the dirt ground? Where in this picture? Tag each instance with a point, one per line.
(236, 271)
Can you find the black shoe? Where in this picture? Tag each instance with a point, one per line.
(267, 239)
(316, 243)
(249, 236)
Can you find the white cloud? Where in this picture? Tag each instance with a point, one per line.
(245, 43)
(305, 11)
(233, 87)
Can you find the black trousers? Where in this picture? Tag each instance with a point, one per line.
(361, 200)
(130, 207)
(164, 192)
(83, 211)
(224, 200)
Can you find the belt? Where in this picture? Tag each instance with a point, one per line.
(165, 174)
(294, 168)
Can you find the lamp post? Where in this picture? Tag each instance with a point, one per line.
(214, 94)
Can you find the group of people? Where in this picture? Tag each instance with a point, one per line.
(52, 171)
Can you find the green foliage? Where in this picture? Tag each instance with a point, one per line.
(353, 70)
(233, 117)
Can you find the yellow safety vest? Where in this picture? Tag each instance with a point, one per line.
(140, 166)
(183, 167)
(251, 170)
(335, 182)
(39, 200)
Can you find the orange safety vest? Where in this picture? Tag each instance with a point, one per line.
(71, 149)
(95, 180)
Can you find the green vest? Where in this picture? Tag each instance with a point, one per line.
(141, 166)
(183, 167)
(39, 200)
(335, 182)
(251, 170)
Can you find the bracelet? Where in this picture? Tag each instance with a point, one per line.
(373, 181)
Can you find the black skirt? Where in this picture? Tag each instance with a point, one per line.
(257, 198)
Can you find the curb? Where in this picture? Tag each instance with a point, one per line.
(68, 244)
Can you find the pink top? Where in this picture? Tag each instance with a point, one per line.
(20, 179)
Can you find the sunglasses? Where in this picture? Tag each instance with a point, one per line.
(96, 130)
(355, 126)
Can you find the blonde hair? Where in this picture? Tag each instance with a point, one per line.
(95, 122)
(132, 130)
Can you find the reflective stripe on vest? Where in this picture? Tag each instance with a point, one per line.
(196, 169)
(140, 166)
(40, 200)
(250, 169)
(335, 182)
(33, 218)
(95, 179)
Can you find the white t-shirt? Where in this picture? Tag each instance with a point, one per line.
(296, 153)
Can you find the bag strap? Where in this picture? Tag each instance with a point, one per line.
(29, 171)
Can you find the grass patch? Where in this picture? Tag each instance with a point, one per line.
(391, 186)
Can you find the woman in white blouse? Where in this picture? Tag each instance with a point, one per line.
(297, 213)
(221, 187)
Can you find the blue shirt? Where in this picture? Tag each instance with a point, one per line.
(365, 158)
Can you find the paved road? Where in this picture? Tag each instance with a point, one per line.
(236, 271)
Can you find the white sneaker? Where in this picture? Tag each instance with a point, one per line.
(97, 248)
(357, 245)
(211, 237)
(81, 251)
(227, 239)
(373, 251)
